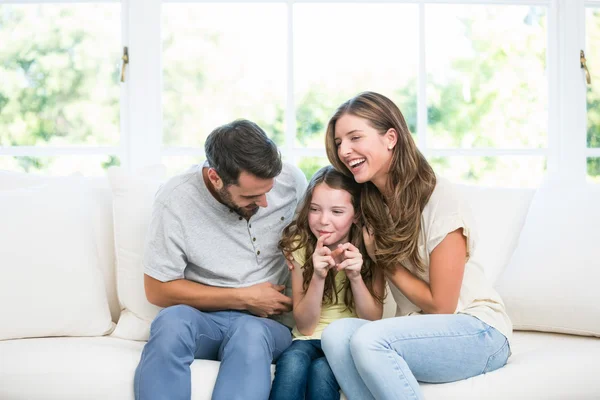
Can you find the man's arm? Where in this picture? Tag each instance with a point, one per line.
(263, 300)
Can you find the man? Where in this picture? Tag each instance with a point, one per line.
(212, 260)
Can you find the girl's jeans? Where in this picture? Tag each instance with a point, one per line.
(302, 370)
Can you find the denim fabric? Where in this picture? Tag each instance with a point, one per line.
(245, 344)
(385, 359)
(302, 372)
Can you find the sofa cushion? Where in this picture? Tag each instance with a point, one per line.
(543, 366)
(101, 214)
(133, 196)
(551, 283)
(51, 284)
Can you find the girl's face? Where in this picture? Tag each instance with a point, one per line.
(364, 151)
(331, 213)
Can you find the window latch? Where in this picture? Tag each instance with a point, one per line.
(582, 60)
(125, 59)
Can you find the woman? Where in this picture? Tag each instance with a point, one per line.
(450, 323)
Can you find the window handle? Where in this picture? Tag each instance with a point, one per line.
(588, 78)
(125, 59)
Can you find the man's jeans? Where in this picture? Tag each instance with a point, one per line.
(303, 372)
(245, 344)
(385, 359)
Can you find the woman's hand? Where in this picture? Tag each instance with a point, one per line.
(322, 258)
(369, 240)
(353, 261)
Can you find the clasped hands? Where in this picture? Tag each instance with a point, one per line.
(345, 257)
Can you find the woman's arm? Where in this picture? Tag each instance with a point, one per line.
(446, 270)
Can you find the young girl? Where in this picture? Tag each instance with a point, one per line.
(330, 281)
(420, 236)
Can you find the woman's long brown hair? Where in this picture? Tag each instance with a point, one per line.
(298, 236)
(396, 220)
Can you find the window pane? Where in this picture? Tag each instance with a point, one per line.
(486, 80)
(592, 54)
(59, 69)
(310, 165)
(343, 49)
(593, 169)
(94, 165)
(504, 171)
(222, 62)
(179, 164)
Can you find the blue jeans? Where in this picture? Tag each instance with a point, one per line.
(302, 370)
(245, 344)
(385, 359)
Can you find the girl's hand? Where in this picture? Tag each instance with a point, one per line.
(322, 259)
(353, 261)
(369, 240)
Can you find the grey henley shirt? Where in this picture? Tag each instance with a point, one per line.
(193, 236)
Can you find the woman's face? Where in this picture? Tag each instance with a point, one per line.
(331, 213)
(364, 151)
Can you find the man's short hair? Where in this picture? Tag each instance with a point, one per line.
(242, 146)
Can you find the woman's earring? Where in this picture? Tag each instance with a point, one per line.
(390, 147)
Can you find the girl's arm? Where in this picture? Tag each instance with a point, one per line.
(446, 270)
(307, 305)
(367, 307)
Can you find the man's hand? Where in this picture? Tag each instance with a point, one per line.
(265, 299)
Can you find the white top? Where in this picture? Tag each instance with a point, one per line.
(444, 213)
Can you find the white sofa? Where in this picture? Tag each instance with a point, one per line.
(73, 317)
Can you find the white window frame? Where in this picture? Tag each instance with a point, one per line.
(141, 114)
(590, 152)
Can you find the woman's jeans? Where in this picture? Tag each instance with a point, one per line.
(245, 344)
(385, 359)
(302, 371)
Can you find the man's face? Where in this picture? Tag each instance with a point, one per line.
(247, 195)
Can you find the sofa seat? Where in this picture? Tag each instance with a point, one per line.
(543, 366)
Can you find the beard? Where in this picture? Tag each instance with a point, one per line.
(228, 201)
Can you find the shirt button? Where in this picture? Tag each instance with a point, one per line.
(240, 218)
(258, 253)
(254, 239)
(282, 218)
(249, 225)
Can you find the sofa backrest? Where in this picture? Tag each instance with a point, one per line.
(497, 213)
(103, 225)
